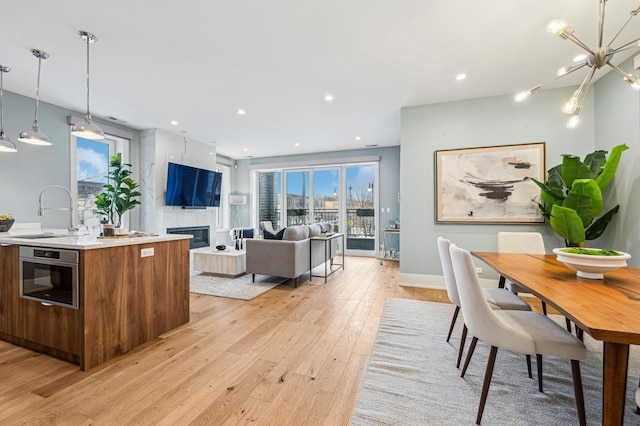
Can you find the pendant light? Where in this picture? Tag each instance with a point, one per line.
(6, 144)
(87, 129)
(34, 136)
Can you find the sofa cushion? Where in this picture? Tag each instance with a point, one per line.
(296, 233)
(268, 235)
(314, 230)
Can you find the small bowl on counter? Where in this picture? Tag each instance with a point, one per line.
(6, 224)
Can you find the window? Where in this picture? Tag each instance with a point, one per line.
(91, 158)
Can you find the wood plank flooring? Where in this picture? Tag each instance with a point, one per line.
(291, 356)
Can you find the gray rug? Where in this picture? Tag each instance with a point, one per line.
(235, 288)
(411, 378)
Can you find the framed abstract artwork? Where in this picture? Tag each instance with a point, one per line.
(489, 184)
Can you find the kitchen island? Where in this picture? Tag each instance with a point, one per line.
(130, 290)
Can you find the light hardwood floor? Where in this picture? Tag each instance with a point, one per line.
(291, 356)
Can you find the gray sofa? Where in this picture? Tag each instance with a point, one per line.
(289, 257)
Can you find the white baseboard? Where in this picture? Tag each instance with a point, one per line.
(435, 281)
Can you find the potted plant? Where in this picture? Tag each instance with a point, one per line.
(571, 199)
(120, 194)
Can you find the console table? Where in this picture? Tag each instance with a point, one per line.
(326, 238)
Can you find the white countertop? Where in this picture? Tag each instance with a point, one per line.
(80, 241)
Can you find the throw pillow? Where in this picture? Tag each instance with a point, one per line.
(296, 233)
(268, 235)
(246, 233)
(314, 230)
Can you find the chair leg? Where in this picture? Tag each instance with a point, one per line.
(579, 333)
(529, 366)
(453, 322)
(462, 340)
(568, 324)
(544, 308)
(472, 348)
(539, 365)
(487, 382)
(501, 281)
(253, 278)
(577, 387)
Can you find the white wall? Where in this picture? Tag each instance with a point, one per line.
(473, 123)
(158, 148)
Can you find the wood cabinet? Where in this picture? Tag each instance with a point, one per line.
(126, 299)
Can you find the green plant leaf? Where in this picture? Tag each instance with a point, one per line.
(585, 198)
(597, 228)
(572, 169)
(595, 161)
(610, 167)
(554, 178)
(567, 224)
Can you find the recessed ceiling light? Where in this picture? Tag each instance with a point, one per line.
(174, 122)
(241, 111)
(246, 149)
(328, 98)
(461, 77)
(357, 138)
(579, 58)
(297, 144)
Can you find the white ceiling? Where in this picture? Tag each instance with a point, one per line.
(198, 62)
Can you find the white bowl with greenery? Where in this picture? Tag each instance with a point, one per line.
(591, 263)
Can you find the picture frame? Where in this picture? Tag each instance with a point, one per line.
(489, 184)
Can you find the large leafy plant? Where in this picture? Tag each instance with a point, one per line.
(571, 199)
(120, 194)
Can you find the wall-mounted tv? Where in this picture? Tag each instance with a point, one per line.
(192, 187)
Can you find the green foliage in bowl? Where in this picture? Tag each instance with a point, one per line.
(592, 252)
(7, 216)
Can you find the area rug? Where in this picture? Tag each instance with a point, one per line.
(411, 378)
(236, 288)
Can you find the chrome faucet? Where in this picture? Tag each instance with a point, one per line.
(70, 208)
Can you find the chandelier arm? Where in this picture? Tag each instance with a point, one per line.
(585, 86)
(603, 4)
(624, 74)
(576, 68)
(576, 40)
(620, 30)
(626, 46)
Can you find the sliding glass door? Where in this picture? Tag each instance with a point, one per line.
(360, 212)
(344, 196)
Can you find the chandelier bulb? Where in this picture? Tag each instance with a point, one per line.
(573, 122)
(524, 95)
(558, 27)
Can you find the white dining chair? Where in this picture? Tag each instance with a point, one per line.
(523, 332)
(496, 297)
(525, 243)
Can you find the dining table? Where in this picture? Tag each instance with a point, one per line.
(607, 309)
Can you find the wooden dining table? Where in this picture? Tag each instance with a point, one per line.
(607, 309)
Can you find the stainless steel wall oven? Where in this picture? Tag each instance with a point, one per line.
(49, 276)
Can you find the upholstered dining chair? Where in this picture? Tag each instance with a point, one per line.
(517, 331)
(525, 243)
(496, 297)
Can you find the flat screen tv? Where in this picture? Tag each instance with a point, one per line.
(192, 187)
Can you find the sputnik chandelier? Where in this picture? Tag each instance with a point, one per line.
(594, 59)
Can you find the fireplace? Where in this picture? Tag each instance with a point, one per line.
(200, 235)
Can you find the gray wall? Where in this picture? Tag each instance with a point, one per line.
(618, 121)
(25, 173)
(472, 123)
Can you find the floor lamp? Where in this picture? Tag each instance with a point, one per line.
(237, 200)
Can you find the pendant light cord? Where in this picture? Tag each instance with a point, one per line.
(88, 113)
(35, 121)
(2, 71)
